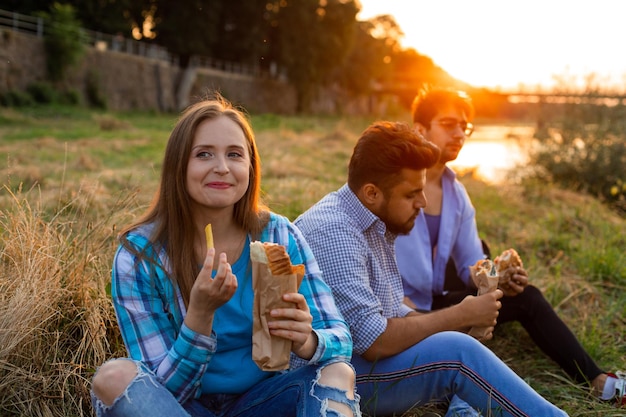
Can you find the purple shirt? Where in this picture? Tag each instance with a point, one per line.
(422, 263)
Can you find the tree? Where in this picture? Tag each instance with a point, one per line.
(26, 6)
(368, 59)
(243, 32)
(187, 27)
(386, 28)
(313, 38)
(109, 16)
(412, 71)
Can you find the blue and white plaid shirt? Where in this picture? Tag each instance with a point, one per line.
(356, 254)
(150, 313)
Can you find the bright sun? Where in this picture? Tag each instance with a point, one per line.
(511, 45)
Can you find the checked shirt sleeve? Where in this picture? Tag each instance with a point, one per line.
(148, 311)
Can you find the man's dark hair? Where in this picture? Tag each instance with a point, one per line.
(383, 150)
(429, 102)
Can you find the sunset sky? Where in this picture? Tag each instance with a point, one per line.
(506, 44)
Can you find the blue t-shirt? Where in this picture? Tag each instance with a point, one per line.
(233, 326)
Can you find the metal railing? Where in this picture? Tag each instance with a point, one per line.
(101, 41)
(21, 23)
(118, 43)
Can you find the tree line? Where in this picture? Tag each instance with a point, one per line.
(313, 43)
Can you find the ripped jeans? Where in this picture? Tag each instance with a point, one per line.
(293, 393)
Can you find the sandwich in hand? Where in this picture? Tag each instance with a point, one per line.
(272, 276)
(485, 278)
(506, 265)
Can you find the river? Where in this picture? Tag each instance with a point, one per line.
(493, 150)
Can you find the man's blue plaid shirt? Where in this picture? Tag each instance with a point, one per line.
(357, 256)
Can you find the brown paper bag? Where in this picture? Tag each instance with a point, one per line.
(269, 352)
(486, 280)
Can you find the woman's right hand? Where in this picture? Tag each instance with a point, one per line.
(208, 294)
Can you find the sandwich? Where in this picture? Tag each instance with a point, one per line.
(506, 265)
(276, 258)
(483, 267)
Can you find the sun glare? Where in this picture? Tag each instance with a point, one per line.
(534, 45)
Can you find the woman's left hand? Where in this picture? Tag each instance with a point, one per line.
(294, 324)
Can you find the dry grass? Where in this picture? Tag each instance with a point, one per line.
(56, 321)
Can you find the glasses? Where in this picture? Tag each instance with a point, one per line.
(450, 125)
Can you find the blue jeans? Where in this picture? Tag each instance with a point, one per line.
(438, 368)
(294, 393)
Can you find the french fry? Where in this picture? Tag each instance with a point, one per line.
(208, 232)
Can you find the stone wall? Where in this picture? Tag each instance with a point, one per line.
(257, 95)
(126, 81)
(135, 82)
(22, 60)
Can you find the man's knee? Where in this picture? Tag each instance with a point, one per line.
(533, 292)
(533, 296)
(112, 379)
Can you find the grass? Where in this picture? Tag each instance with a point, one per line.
(71, 177)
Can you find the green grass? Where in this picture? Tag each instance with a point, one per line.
(71, 177)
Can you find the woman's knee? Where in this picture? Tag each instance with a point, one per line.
(340, 375)
(341, 378)
(112, 379)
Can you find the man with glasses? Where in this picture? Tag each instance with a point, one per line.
(434, 258)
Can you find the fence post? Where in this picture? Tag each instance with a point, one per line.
(39, 27)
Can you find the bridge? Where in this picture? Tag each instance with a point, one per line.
(608, 99)
(404, 87)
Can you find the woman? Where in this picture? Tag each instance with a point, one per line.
(185, 313)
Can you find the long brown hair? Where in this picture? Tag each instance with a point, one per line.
(170, 210)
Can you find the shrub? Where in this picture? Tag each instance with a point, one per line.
(64, 40)
(70, 97)
(14, 98)
(95, 97)
(585, 152)
(43, 92)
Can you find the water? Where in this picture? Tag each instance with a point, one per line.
(493, 150)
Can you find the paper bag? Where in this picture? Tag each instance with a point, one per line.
(486, 280)
(270, 353)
